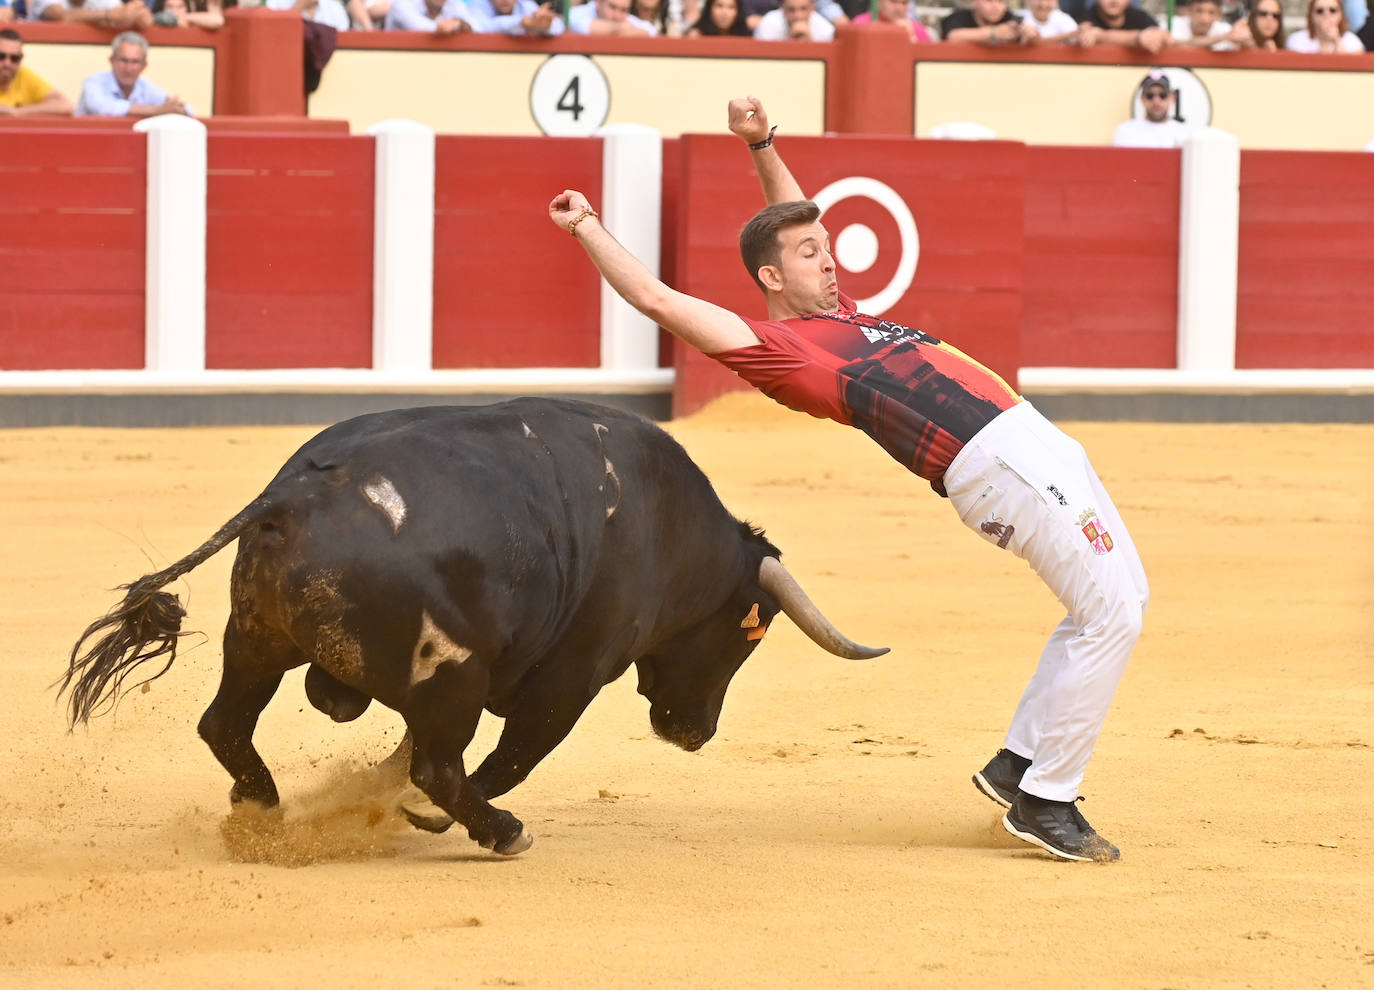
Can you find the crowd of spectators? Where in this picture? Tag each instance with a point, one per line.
(1334, 26)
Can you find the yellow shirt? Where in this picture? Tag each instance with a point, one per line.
(25, 88)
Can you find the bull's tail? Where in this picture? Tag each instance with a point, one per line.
(144, 626)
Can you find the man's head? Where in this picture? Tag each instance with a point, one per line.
(502, 7)
(1202, 14)
(612, 10)
(1043, 8)
(1112, 11)
(787, 252)
(988, 12)
(128, 58)
(797, 11)
(11, 54)
(1157, 96)
(892, 11)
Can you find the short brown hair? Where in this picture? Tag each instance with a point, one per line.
(758, 241)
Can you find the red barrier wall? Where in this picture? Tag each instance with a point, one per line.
(288, 264)
(509, 290)
(1306, 268)
(73, 260)
(967, 202)
(1101, 258)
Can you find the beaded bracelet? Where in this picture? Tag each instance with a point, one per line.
(572, 227)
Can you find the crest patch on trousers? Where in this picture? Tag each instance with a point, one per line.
(1095, 532)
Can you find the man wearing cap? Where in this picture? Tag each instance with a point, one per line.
(22, 91)
(1158, 128)
(1116, 22)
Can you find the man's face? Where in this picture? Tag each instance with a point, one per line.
(128, 62)
(1043, 8)
(1158, 102)
(807, 269)
(892, 11)
(1112, 9)
(990, 11)
(11, 54)
(796, 10)
(612, 10)
(1202, 14)
(503, 7)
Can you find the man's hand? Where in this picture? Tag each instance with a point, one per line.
(451, 25)
(567, 206)
(1155, 40)
(748, 121)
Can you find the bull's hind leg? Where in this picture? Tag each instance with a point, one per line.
(442, 714)
(253, 668)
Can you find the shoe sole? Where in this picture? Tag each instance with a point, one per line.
(985, 787)
(1035, 840)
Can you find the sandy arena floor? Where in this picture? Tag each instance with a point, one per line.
(827, 837)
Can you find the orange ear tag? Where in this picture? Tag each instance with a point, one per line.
(756, 632)
(752, 619)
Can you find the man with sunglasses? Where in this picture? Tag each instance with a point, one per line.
(22, 91)
(1158, 128)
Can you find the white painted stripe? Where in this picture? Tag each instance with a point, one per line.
(174, 286)
(1126, 380)
(403, 247)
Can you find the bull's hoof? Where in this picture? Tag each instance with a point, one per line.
(427, 817)
(514, 846)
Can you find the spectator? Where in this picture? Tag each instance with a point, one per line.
(1048, 22)
(1115, 22)
(521, 18)
(1264, 28)
(795, 20)
(831, 10)
(608, 17)
(6, 12)
(1203, 27)
(1356, 15)
(103, 13)
(654, 12)
(368, 15)
(328, 12)
(430, 16)
(208, 14)
(897, 12)
(121, 92)
(987, 22)
(1158, 128)
(23, 91)
(1327, 31)
(721, 18)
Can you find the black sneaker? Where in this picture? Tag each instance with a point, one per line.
(1001, 778)
(1058, 828)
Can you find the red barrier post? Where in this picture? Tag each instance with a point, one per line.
(264, 71)
(873, 84)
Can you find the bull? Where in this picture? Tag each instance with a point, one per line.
(515, 557)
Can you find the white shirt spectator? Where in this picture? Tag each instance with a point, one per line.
(1183, 31)
(489, 21)
(413, 15)
(773, 27)
(102, 97)
(329, 12)
(580, 20)
(1059, 23)
(36, 7)
(1142, 133)
(1302, 41)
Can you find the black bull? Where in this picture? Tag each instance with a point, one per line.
(515, 557)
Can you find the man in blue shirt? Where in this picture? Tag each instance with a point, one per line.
(516, 17)
(121, 92)
(433, 16)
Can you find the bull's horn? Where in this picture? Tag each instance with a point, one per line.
(774, 579)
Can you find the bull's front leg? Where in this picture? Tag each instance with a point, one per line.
(442, 716)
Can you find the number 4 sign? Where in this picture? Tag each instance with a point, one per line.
(569, 96)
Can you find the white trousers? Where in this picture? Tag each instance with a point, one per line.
(1027, 487)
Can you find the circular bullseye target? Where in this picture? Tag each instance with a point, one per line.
(858, 246)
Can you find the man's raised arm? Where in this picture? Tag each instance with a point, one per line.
(695, 322)
(749, 122)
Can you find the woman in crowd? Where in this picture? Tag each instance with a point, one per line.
(897, 12)
(721, 17)
(1265, 27)
(1327, 31)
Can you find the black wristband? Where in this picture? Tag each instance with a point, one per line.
(766, 142)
